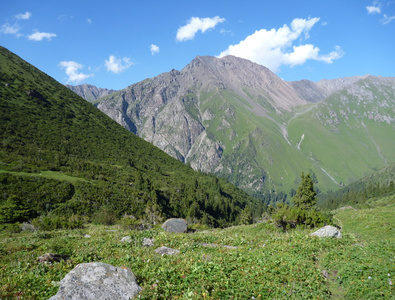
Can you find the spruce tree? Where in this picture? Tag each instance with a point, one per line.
(305, 195)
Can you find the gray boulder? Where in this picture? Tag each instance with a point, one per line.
(148, 242)
(98, 281)
(175, 225)
(328, 231)
(126, 239)
(166, 251)
(52, 257)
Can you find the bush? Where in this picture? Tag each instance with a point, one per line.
(104, 216)
(287, 217)
(11, 228)
(13, 210)
(59, 222)
(131, 223)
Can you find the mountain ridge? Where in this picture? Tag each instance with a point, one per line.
(214, 107)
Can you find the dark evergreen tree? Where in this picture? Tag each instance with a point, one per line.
(245, 217)
(305, 195)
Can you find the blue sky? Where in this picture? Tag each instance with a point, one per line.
(113, 44)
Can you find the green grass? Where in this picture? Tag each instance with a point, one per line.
(267, 263)
(49, 175)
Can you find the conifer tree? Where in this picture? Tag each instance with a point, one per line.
(305, 195)
(245, 216)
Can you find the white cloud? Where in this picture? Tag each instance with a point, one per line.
(25, 16)
(89, 21)
(273, 48)
(373, 9)
(72, 68)
(39, 36)
(117, 65)
(154, 49)
(387, 19)
(195, 24)
(10, 29)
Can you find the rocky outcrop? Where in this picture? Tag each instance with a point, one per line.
(98, 281)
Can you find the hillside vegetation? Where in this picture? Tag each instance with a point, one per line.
(60, 156)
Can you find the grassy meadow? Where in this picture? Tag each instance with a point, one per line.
(264, 262)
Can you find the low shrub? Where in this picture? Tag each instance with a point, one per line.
(59, 222)
(131, 223)
(104, 216)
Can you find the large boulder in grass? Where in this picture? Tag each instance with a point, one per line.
(98, 281)
(175, 225)
(328, 231)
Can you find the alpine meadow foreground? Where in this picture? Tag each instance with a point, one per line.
(263, 261)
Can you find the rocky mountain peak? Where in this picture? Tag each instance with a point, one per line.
(89, 92)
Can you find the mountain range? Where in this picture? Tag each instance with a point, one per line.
(238, 120)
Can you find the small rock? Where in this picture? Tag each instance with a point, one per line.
(87, 236)
(28, 227)
(165, 250)
(148, 242)
(98, 281)
(230, 247)
(175, 225)
(209, 245)
(347, 207)
(328, 231)
(325, 273)
(51, 258)
(126, 239)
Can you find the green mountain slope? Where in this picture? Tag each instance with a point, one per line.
(351, 133)
(60, 155)
(362, 192)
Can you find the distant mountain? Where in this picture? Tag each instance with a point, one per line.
(60, 155)
(89, 92)
(238, 120)
(318, 91)
(367, 189)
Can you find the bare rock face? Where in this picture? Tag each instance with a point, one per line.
(175, 225)
(328, 231)
(98, 281)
